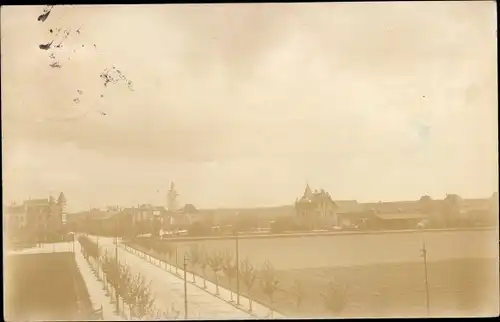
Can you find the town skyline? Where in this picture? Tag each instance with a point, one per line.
(250, 161)
(291, 203)
(243, 111)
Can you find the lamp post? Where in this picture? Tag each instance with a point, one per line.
(185, 288)
(424, 255)
(176, 260)
(97, 259)
(117, 266)
(237, 269)
(116, 239)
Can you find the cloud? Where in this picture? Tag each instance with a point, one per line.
(243, 103)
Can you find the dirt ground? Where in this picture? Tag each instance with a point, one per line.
(456, 288)
(45, 286)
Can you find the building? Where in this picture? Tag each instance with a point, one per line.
(191, 214)
(397, 221)
(349, 213)
(142, 213)
(479, 212)
(172, 196)
(182, 218)
(14, 219)
(316, 209)
(40, 219)
(452, 211)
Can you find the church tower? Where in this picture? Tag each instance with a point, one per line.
(172, 198)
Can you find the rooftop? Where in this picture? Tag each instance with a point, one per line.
(399, 216)
(33, 202)
(313, 197)
(189, 208)
(345, 206)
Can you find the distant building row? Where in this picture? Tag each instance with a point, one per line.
(36, 218)
(144, 217)
(316, 210)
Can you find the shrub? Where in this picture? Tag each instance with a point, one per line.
(335, 298)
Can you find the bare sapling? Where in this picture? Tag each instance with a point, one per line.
(215, 263)
(249, 276)
(229, 268)
(269, 283)
(203, 265)
(194, 259)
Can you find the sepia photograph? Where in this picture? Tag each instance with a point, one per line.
(226, 161)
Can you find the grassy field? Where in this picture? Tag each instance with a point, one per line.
(457, 287)
(384, 273)
(354, 250)
(44, 286)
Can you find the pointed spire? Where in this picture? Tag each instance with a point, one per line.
(308, 191)
(172, 197)
(172, 190)
(61, 200)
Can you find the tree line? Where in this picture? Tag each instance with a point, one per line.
(118, 280)
(264, 276)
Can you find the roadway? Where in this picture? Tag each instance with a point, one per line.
(244, 235)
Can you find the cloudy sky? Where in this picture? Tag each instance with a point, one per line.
(241, 105)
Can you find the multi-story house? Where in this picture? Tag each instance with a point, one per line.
(14, 220)
(316, 209)
(41, 219)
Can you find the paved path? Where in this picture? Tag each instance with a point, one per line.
(266, 235)
(169, 289)
(258, 310)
